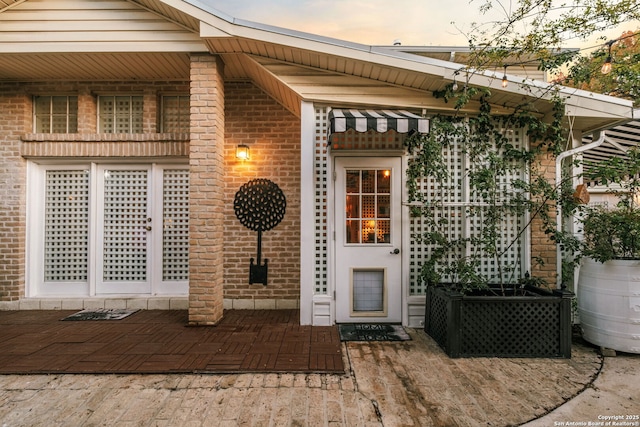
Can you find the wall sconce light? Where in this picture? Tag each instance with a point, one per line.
(242, 152)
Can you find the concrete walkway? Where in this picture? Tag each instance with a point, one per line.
(612, 399)
(409, 383)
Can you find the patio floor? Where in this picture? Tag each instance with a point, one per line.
(36, 342)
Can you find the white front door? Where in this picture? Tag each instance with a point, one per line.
(367, 260)
(124, 234)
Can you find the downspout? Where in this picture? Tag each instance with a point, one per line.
(559, 159)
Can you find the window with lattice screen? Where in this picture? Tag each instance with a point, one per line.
(66, 231)
(120, 114)
(175, 115)
(175, 231)
(55, 114)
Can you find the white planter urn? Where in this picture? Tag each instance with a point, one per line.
(609, 303)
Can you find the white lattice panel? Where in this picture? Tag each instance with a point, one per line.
(320, 163)
(66, 226)
(453, 209)
(125, 219)
(175, 232)
(370, 140)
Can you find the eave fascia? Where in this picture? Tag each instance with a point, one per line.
(217, 24)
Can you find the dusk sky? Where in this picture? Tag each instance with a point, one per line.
(377, 22)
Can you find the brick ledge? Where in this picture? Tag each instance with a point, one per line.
(104, 137)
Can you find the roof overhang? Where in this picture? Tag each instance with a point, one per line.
(294, 66)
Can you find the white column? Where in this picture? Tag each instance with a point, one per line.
(307, 214)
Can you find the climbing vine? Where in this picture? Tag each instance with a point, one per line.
(503, 184)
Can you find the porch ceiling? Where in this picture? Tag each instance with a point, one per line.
(8, 3)
(94, 66)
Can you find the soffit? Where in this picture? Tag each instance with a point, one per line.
(344, 81)
(5, 4)
(94, 66)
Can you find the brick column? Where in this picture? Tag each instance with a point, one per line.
(16, 121)
(542, 246)
(206, 219)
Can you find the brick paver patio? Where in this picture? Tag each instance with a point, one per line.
(162, 342)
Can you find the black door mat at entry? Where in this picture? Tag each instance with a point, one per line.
(372, 332)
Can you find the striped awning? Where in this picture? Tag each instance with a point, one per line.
(379, 120)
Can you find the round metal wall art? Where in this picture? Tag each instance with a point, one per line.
(260, 204)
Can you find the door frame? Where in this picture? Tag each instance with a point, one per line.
(403, 232)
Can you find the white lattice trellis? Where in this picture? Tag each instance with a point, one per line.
(369, 140)
(458, 214)
(175, 232)
(66, 226)
(320, 163)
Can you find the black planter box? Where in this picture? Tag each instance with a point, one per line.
(537, 324)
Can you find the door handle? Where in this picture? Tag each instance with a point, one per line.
(396, 251)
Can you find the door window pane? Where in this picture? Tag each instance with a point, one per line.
(353, 206)
(368, 206)
(368, 200)
(368, 181)
(383, 181)
(353, 181)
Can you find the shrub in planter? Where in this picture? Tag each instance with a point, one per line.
(474, 219)
(609, 279)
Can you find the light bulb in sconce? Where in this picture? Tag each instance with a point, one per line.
(242, 152)
(505, 81)
(606, 67)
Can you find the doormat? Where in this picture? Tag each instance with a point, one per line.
(372, 332)
(101, 314)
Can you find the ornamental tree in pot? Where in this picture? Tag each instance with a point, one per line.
(609, 277)
(479, 301)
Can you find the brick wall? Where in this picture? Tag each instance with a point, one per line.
(273, 135)
(253, 118)
(17, 142)
(206, 192)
